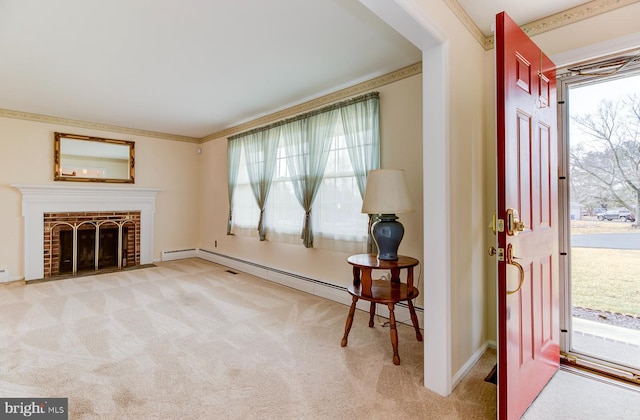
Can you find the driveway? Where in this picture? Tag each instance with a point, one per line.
(607, 240)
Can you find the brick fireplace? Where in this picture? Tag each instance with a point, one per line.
(76, 242)
(93, 211)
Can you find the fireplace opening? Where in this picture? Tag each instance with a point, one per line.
(107, 249)
(80, 243)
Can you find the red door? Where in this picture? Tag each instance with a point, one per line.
(528, 304)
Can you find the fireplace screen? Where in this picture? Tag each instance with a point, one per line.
(87, 242)
(107, 249)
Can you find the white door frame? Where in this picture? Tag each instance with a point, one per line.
(410, 21)
(564, 60)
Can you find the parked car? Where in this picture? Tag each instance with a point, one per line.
(624, 215)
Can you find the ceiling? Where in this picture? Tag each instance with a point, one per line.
(193, 67)
(483, 12)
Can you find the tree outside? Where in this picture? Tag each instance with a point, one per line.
(605, 163)
(604, 159)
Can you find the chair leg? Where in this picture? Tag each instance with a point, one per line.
(394, 335)
(414, 320)
(372, 313)
(347, 326)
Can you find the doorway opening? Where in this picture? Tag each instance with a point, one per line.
(601, 215)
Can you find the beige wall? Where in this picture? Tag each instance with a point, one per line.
(490, 190)
(467, 192)
(26, 148)
(401, 147)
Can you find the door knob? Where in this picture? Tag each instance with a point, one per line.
(493, 251)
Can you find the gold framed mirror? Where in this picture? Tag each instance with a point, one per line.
(93, 159)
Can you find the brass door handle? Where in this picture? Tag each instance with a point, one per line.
(510, 260)
(514, 225)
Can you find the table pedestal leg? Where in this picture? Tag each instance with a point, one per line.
(372, 313)
(394, 335)
(414, 320)
(347, 326)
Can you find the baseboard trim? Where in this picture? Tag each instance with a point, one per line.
(466, 368)
(306, 284)
(11, 279)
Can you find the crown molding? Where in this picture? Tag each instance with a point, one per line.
(339, 95)
(94, 126)
(466, 20)
(575, 14)
(567, 17)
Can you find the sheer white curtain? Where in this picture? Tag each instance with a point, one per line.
(361, 122)
(338, 223)
(260, 150)
(307, 143)
(245, 210)
(332, 156)
(234, 149)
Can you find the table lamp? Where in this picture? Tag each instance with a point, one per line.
(386, 194)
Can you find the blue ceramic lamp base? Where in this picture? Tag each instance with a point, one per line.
(387, 234)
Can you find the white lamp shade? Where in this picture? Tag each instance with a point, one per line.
(387, 192)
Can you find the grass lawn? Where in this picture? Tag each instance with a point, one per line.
(606, 279)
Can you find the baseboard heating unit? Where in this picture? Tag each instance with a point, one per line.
(179, 254)
(313, 286)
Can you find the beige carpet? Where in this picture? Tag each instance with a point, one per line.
(186, 339)
(575, 395)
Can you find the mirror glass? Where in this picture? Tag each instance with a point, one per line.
(93, 159)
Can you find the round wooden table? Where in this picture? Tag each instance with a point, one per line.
(387, 292)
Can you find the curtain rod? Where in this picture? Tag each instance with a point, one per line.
(308, 114)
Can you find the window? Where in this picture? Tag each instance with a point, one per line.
(335, 219)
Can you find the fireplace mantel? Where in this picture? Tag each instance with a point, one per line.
(38, 199)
